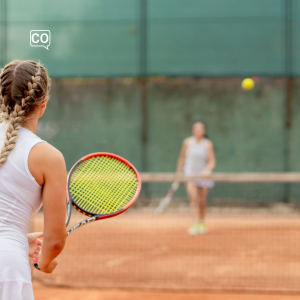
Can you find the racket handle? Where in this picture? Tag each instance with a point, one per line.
(36, 263)
(175, 186)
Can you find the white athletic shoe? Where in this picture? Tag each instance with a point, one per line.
(195, 229)
(202, 228)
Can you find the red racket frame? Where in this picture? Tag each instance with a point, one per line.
(95, 217)
(99, 217)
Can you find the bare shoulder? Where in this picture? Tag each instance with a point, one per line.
(186, 141)
(46, 154)
(209, 143)
(44, 160)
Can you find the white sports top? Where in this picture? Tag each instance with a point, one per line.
(20, 198)
(196, 156)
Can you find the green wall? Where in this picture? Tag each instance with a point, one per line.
(247, 128)
(81, 119)
(107, 38)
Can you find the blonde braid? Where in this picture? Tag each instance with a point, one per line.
(14, 122)
(4, 113)
(23, 86)
(3, 108)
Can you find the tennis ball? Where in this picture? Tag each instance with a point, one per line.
(248, 84)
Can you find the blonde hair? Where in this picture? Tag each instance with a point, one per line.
(23, 87)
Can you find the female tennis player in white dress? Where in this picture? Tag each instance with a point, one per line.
(32, 172)
(197, 157)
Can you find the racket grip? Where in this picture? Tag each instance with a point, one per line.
(175, 186)
(36, 263)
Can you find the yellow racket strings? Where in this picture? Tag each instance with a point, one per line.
(103, 185)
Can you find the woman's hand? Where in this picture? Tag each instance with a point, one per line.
(34, 243)
(49, 268)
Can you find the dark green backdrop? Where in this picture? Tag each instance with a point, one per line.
(249, 129)
(103, 38)
(146, 122)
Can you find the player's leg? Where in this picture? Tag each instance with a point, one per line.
(202, 192)
(194, 198)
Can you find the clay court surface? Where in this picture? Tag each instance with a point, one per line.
(50, 293)
(138, 254)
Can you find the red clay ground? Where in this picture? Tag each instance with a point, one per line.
(240, 252)
(51, 293)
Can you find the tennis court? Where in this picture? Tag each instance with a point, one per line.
(249, 251)
(43, 292)
(135, 78)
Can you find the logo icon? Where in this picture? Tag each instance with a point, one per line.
(40, 38)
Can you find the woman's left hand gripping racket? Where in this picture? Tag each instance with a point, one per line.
(101, 185)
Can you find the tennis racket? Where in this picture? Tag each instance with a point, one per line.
(166, 201)
(100, 185)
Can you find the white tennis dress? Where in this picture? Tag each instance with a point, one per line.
(20, 198)
(196, 160)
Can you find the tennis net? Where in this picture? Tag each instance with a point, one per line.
(252, 243)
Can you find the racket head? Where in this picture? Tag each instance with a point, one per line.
(102, 184)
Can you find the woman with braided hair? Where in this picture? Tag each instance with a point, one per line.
(32, 172)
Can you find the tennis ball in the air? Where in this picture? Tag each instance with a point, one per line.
(248, 84)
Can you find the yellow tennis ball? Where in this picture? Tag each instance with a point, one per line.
(248, 84)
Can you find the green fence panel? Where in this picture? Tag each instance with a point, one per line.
(88, 39)
(109, 38)
(216, 37)
(82, 119)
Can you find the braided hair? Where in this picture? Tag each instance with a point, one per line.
(23, 86)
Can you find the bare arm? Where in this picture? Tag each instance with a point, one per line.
(48, 167)
(211, 159)
(181, 158)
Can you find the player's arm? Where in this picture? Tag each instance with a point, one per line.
(48, 167)
(181, 158)
(211, 158)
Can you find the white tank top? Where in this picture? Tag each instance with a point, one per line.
(196, 156)
(20, 194)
